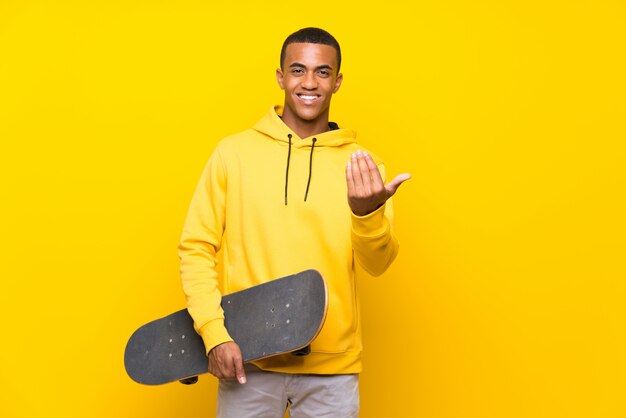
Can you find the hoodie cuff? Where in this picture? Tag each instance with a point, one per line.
(371, 225)
(213, 334)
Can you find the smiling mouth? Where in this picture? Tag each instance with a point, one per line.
(308, 97)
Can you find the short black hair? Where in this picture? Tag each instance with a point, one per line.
(311, 36)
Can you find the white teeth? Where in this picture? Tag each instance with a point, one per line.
(302, 96)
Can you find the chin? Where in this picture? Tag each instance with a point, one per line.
(308, 117)
(309, 114)
(306, 113)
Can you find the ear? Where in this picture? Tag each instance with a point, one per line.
(338, 81)
(279, 78)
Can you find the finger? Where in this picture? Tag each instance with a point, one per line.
(349, 179)
(374, 173)
(364, 173)
(239, 371)
(393, 185)
(356, 175)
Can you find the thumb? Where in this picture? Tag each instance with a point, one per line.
(393, 185)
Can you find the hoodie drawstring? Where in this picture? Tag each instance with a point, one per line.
(287, 171)
(308, 183)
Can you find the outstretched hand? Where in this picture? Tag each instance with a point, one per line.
(366, 190)
(225, 362)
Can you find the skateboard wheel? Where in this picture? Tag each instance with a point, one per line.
(189, 380)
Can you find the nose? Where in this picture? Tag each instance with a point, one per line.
(309, 82)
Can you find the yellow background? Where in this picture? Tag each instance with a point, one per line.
(508, 296)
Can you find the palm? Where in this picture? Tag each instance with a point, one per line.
(366, 190)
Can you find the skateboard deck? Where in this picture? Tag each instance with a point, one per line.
(281, 316)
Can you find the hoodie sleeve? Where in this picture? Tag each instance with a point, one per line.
(201, 240)
(374, 243)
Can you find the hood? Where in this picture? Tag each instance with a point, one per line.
(273, 126)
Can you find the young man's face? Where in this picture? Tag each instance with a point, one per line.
(309, 78)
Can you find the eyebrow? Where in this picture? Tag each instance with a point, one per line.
(321, 67)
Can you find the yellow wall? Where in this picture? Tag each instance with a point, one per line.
(507, 299)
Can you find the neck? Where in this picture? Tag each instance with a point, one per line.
(305, 128)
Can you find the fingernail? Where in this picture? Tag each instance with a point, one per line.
(358, 152)
(365, 154)
(242, 380)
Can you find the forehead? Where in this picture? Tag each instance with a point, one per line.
(312, 55)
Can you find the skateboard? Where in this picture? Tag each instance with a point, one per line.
(277, 317)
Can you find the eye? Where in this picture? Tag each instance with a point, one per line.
(324, 73)
(297, 71)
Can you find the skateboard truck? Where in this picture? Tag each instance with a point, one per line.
(304, 351)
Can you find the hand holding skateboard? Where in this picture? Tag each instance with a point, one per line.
(225, 362)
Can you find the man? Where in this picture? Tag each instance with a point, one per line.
(294, 192)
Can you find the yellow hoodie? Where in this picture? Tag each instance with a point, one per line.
(250, 202)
